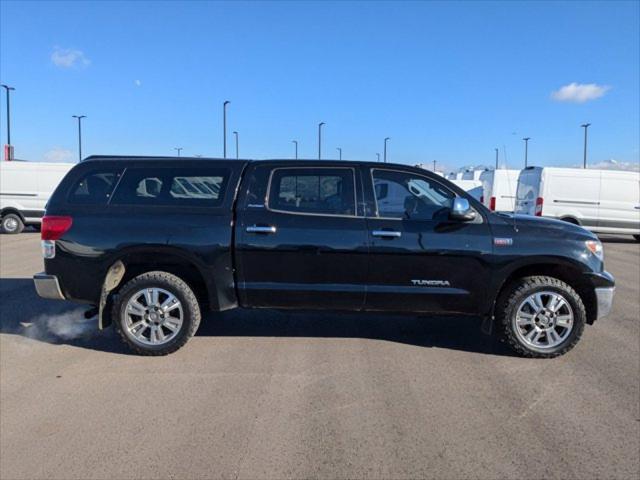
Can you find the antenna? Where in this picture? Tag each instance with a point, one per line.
(515, 197)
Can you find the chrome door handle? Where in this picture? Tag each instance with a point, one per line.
(258, 229)
(386, 234)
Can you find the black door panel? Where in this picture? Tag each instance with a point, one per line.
(431, 267)
(301, 259)
(421, 261)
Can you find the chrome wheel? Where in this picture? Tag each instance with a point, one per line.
(153, 316)
(543, 320)
(10, 224)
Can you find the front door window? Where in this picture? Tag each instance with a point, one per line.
(407, 196)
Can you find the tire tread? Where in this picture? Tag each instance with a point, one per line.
(138, 283)
(507, 303)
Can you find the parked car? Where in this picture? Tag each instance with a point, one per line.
(499, 189)
(25, 188)
(603, 201)
(151, 242)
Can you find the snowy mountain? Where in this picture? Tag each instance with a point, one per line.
(612, 164)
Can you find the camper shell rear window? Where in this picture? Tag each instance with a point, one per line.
(95, 187)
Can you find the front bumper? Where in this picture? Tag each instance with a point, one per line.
(604, 297)
(47, 286)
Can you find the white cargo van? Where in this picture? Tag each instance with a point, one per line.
(472, 174)
(473, 187)
(25, 188)
(499, 189)
(604, 201)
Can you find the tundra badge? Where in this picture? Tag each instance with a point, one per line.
(431, 283)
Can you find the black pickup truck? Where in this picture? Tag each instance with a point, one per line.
(150, 242)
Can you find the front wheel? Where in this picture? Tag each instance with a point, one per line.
(541, 316)
(156, 313)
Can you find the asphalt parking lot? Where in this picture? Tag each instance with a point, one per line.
(265, 394)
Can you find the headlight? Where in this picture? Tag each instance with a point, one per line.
(595, 247)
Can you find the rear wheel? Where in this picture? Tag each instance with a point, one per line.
(541, 316)
(156, 313)
(12, 223)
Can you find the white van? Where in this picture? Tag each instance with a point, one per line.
(499, 189)
(472, 174)
(25, 188)
(473, 187)
(604, 201)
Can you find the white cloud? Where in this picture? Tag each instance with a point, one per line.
(579, 92)
(137, 83)
(68, 57)
(58, 154)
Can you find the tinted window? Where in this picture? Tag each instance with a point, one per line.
(199, 187)
(405, 195)
(94, 188)
(313, 190)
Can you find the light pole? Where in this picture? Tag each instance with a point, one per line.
(320, 140)
(295, 142)
(385, 148)
(339, 152)
(378, 156)
(585, 126)
(236, 135)
(526, 150)
(178, 149)
(79, 117)
(8, 89)
(224, 128)
(496, 158)
(434, 166)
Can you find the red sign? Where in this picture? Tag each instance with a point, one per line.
(8, 152)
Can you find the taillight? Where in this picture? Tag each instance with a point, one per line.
(492, 204)
(539, 202)
(53, 227)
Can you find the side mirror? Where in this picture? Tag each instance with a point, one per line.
(461, 210)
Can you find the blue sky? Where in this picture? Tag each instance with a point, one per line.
(446, 81)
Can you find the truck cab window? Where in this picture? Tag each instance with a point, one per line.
(408, 196)
(328, 191)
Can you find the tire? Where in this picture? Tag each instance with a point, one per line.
(552, 331)
(12, 223)
(142, 328)
(637, 237)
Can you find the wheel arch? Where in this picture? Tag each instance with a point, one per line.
(571, 219)
(8, 210)
(567, 272)
(138, 260)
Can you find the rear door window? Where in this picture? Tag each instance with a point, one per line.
(188, 187)
(319, 191)
(94, 188)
